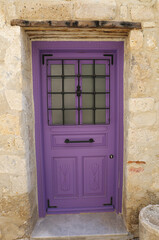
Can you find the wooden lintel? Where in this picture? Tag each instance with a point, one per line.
(122, 25)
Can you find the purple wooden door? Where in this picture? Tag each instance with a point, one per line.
(78, 104)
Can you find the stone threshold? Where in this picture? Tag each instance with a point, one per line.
(84, 226)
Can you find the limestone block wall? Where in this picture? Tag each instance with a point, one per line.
(18, 204)
(18, 201)
(141, 174)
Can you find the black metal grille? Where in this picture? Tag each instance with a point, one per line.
(78, 92)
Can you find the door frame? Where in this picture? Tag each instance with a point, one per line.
(40, 52)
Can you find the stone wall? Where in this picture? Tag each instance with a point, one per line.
(18, 201)
(142, 123)
(18, 204)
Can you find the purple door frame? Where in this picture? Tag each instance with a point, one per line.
(38, 51)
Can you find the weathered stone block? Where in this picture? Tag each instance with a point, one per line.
(151, 41)
(10, 12)
(2, 15)
(142, 13)
(9, 124)
(3, 47)
(148, 24)
(142, 138)
(32, 181)
(10, 144)
(148, 2)
(93, 9)
(17, 83)
(5, 184)
(136, 39)
(13, 56)
(13, 164)
(44, 10)
(18, 205)
(123, 12)
(145, 119)
(141, 104)
(14, 99)
(19, 185)
(141, 68)
(10, 228)
(4, 106)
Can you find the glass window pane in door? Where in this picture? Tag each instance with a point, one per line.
(100, 69)
(87, 100)
(69, 101)
(100, 84)
(56, 69)
(69, 69)
(100, 116)
(69, 82)
(87, 84)
(57, 117)
(87, 69)
(100, 101)
(87, 117)
(56, 84)
(56, 100)
(69, 117)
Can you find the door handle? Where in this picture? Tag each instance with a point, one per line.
(91, 140)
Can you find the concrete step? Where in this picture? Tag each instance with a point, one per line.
(84, 226)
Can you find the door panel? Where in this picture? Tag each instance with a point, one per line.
(64, 177)
(100, 139)
(79, 132)
(94, 173)
(79, 182)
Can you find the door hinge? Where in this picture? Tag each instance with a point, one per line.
(109, 204)
(45, 55)
(110, 55)
(49, 205)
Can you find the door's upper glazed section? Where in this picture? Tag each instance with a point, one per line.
(78, 91)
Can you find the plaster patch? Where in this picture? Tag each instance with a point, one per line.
(136, 170)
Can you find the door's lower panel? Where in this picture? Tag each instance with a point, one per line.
(80, 183)
(64, 178)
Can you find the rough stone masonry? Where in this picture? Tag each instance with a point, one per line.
(18, 187)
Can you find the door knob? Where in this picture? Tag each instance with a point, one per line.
(111, 156)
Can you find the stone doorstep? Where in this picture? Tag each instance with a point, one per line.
(85, 226)
(129, 237)
(88, 238)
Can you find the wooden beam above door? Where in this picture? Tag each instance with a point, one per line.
(77, 24)
(75, 29)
